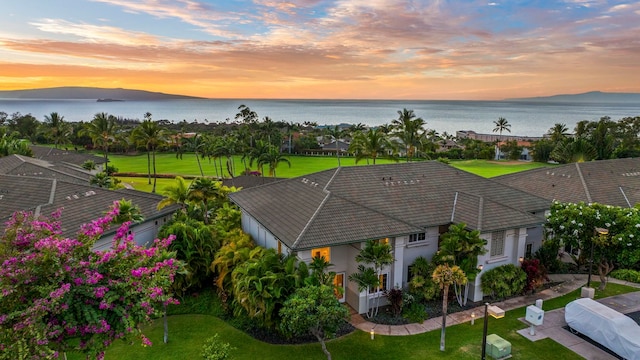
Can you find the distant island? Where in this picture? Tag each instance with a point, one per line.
(108, 100)
(90, 93)
(588, 97)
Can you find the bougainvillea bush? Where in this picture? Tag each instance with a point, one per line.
(58, 295)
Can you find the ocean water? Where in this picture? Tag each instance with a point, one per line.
(526, 118)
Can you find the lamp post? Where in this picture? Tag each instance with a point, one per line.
(596, 231)
(497, 313)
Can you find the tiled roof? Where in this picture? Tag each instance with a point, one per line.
(612, 182)
(352, 204)
(247, 181)
(80, 203)
(26, 166)
(64, 155)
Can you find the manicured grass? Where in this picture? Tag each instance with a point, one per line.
(490, 169)
(141, 183)
(167, 163)
(187, 334)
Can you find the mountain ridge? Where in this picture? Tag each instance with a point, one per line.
(590, 96)
(87, 93)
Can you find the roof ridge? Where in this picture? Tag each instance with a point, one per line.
(584, 183)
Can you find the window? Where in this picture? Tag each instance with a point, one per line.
(410, 273)
(383, 241)
(338, 283)
(383, 284)
(321, 253)
(528, 250)
(417, 237)
(497, 243)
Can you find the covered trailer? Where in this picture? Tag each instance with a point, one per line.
(611, 329)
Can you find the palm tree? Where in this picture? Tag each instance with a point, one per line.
(197, 145)
(149, 134)
(378, 254)
(370, 144)
(461, 247)
(336, 134)
(56, 128)
(408, 127)
(558, 132)
(501, 125)
(366, 279)
(272, 157)
(444, 276)
(574, 150)
(102, 131)
(177, 193)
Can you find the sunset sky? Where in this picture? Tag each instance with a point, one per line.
(356, 49)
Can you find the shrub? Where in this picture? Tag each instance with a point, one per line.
(89, 165)
(395, 298)
(548, 256)
(216, 349)
(415, 313)
(110, 170)
(503, 281)
(626, 275)
(536, 274)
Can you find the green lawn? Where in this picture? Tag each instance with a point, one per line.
(166, 163)
(188, 332)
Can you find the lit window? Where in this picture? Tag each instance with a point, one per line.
(383, 241)
(417, 237)
(321, 253)
(383, 284)
(497, 243)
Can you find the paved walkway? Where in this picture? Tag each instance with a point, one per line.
(553, 320)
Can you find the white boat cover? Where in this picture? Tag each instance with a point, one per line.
(617, 332)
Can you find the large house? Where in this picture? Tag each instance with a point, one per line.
(410, 205)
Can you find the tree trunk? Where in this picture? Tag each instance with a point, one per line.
(322, 343)
(604, 268)
(149, 168)
(154, 171)
(199, 166)
(166, 325)
(445, 299)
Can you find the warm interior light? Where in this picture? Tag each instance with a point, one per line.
(495, 311)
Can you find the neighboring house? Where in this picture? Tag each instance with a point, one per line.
(612, 182)
(470, 134)
(410, 205)
(525, 154)
(20, 165)
(67, 157)
(28, 184)
(343, 146)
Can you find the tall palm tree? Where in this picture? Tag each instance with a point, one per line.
(558, 132)
(501, 125)
(196, 144)
(336, 134)
(370, 144)
(273, 157)
(57, 129)
(102, 131)
(151, 135)
(408, 128)
(444, 276)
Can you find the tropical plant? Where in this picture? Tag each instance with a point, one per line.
(574, 150)
(313, 310)
(370, 145)
(196, 245)
(445, 275)
(176, 193)
(335, 133)
(501, 125)
(101, 179)
(127, 212)
(421, 285)
(272, 157)
(408, 128)
(379, 255)
(503, 281)
(216, 349)
(209, 195)
(558, 133)
(196, 144)
(150, 135)
(461, 247)
(102, 131)
(536, 274)
(56, 128)
(58, 294)
(236, 249)
(366, 279)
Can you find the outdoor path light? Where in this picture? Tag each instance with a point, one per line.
(497, 313)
